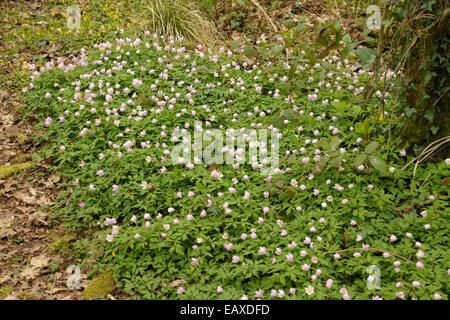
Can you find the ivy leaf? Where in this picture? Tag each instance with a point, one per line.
(409, 111)
(434, 130)
(428, 76)
(429, 115)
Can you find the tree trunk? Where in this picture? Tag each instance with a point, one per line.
(429, 97)
(228, 6)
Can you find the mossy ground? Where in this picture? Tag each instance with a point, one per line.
(7, 171)
(100, 286)
(4, 291)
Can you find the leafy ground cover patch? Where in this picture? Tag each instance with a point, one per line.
(338, 218)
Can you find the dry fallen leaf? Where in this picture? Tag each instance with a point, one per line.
(24, 196)
(51, 181)
(176, 283)
(5, 227)
(3, 95)
(35, 266)
(56, 290)
(37, 218)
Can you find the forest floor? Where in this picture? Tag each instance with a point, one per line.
(33, 261)
(29, 268)
(32, 264)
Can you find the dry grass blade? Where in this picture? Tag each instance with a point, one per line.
(431, 149)
(264, 12)
(179, 19)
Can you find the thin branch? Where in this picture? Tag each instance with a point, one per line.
(264, 12)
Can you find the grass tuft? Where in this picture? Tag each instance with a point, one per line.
(179, 19)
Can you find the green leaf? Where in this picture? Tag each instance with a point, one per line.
(326, 65)
(276, 49)
(324, 35)
(347, 38)
(292, 70)
(365, 32)
(341, 105)
(378, 163)
(324, 53)
(279, 184)
(428, 76)
(249, 51)
(357, 109)
(429, 115)
(337, 37)
(434, 129)
(359, 160)
(335, 162)
(371, 147)
(334, 143)
(347, 49)
(37, 157)
(366, 54)
(235, 44)
(335, 26)
(300, 84)
(409, 111)
(362, 127)
(300, 27)
(290, 23)
(367, 64)
(290, 191)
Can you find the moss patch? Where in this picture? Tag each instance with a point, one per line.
(100, 286)
(7, 171)
(62, 242)
(26, 296)
(23, 139)
(4, 291)
(61, 238)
